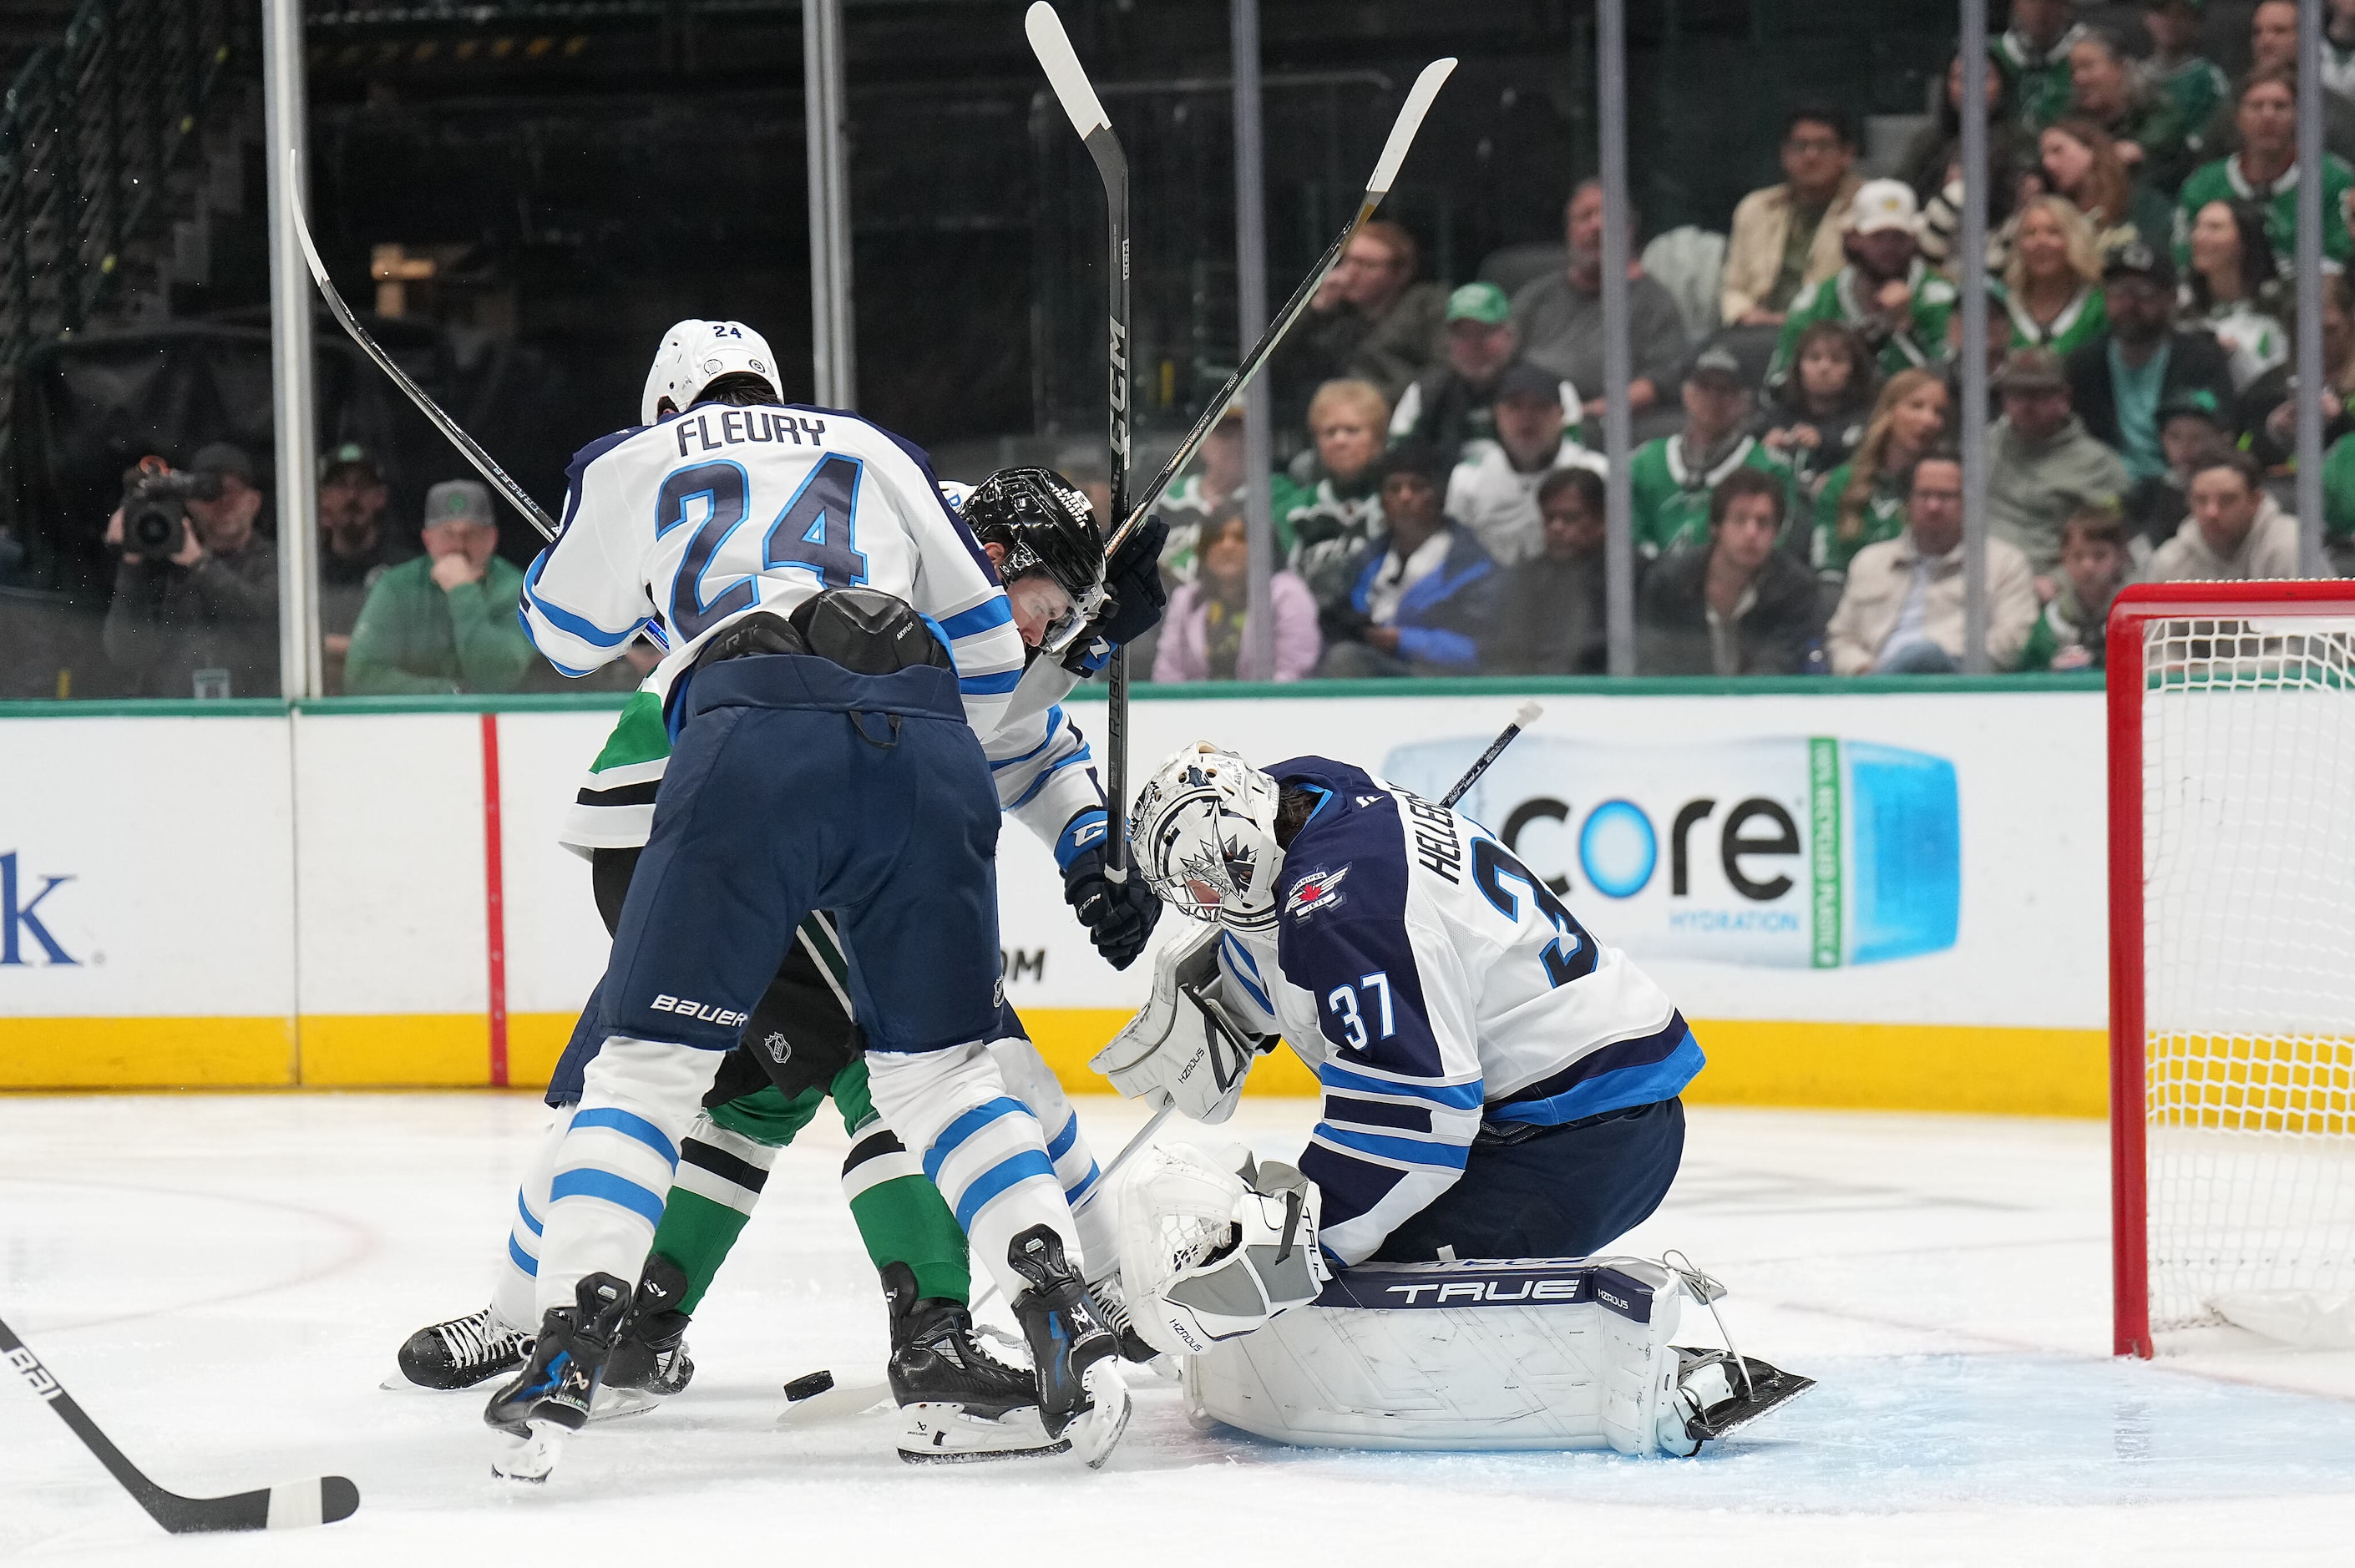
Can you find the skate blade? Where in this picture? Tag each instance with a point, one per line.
(531, 1460)
(619, 1403)
(944, 1434)
(1770, 1388)
(1095, 1433)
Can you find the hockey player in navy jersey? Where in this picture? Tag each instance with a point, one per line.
(1498, 1084)
(842, 650)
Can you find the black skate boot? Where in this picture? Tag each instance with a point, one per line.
(462, 1353)
(649, 1363)
(1077, 1359)
(961, 1403)
(552, 1399)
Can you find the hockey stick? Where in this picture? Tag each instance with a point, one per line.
(467, 446)
(1064, 74)
(323, 1501)
(1523, 716)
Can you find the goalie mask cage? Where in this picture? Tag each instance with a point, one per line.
(2232, 778)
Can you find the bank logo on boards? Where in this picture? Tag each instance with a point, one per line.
(1803, 852)
(24, 939)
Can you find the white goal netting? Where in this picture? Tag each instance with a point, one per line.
(2248, 787)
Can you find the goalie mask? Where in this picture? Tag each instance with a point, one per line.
(1203, 834)
(1046, 528)
(694, 355)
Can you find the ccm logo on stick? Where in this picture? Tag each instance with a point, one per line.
(702, 1013)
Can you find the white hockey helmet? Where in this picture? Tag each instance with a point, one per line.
(694, 355)
(1203, 835)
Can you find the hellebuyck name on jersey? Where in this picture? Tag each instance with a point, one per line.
(1447, 985)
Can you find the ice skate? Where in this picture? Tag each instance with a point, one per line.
(461, 1352)
(649, 1362)
(552, 1399)
(1077, 1359)
(1715, 1392)
(960, 1401)
(1110, 1304)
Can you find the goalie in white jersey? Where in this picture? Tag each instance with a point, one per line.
(1498, 1084)
(841, 649)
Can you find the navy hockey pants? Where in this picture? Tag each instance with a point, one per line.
(799, 785)
(1562, 1191)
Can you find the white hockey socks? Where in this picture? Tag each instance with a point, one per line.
(1035, 1085)
(512, 1291)
(614, 1168)
(981, 1146)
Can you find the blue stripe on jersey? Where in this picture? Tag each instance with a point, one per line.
(1617, 1078)
(994, 685)
(1243, 970)
(530, 1221)
(952, 1136)
(588, 1182)
(1458, 1096)
(522, 1260)
(1054, 723)
(1062, 1143)
(630, 1124)
(1411, 1151)
(1083, 755)
(1087, 1183)
(564, 620)
(1377, 1112)
(985, 616)
(1347, 1186)
(990, 1184)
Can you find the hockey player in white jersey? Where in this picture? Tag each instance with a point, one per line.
(841, 649)
(1498, 1084)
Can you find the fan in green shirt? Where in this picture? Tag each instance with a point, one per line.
(1669, 479)
(2266, 172)
(1883, 252)
(2189, 80)
(1863, 500)
(445, 621)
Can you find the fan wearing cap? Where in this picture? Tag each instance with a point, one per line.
(1452, 404)
(1427, 590)
(1886, 291)
(1669, 480)
(357, 545)
(2041, 465)
(203, 621)
(1494, 489)
(2120, 380)
(444, 622)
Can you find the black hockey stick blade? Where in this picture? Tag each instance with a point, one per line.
(1395, 151)
(1523, 716)
(467, 446)
(321, 1501)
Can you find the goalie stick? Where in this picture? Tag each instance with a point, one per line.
(467, 446)
(322, 1501)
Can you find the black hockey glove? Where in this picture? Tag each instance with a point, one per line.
(1119, 916)
(1135, 601)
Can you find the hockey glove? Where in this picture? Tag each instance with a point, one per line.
(1119, 916)
(1133, 603)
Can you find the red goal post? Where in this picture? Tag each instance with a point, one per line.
(2231, 792)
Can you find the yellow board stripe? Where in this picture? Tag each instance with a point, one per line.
(1875, 1066)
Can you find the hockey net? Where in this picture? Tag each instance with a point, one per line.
(2232, 962)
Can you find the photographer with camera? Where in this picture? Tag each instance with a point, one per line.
(195, 612)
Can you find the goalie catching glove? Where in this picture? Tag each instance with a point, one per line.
(1183, 1047)
(1211, 1248)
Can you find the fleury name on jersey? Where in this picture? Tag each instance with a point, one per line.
(1498, 1084)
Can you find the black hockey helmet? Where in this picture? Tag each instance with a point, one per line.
(1044, 525)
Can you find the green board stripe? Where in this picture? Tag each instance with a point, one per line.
(1824, 840)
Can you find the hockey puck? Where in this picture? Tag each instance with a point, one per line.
(807, 1387)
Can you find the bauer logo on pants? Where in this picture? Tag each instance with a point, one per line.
(701, 1012)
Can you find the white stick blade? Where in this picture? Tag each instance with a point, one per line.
(1072, 89)
(1526, 714)
(1410, 121)
(295, 210)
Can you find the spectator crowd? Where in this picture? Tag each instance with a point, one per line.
(1797, 492)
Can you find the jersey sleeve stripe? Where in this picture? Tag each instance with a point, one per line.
(997, 685)
(1456, 1097)
(1628, 1073)
(989, 612)
(564, 620)
(1251, 988)
(1404, 1151)
(1040, 782)
(1352, 1112)
(1054, 725)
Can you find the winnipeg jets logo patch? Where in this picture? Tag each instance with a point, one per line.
(1320, 889)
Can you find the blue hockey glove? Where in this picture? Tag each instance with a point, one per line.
(1119, 916)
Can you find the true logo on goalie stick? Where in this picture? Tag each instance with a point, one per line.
(1320, 889)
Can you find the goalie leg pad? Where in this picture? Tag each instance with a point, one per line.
(1566, 1353)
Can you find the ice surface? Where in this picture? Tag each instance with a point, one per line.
(221, 1280)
